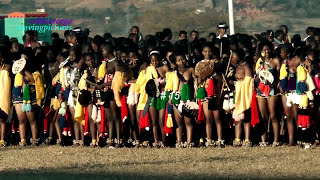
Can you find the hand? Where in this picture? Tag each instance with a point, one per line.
(133, 62)
(100, 86)
(91, 89)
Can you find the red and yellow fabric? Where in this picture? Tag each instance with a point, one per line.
(243, 97)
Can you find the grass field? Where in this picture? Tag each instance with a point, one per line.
(56, 162)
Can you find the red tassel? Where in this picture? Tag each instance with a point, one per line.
(254, 110)
(45, 120)
(166, 129)
(211, 89)
(68, 122)
(144, 121)
(201, 118)
(303, 121)
(264, 88)
(13, 130)
(102, 122)
(86, 121)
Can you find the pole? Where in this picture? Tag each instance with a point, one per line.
(230, 7)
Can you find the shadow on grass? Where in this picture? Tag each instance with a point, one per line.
(57, 174)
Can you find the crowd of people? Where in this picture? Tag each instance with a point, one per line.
(135, 91)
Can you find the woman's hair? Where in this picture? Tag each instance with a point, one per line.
(179, 54)
(77, 51)
(5, 55)
(240, 53)
(265, 42)
(108, 47)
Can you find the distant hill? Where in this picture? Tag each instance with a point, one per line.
(152, 15)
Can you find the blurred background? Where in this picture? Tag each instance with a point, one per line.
(117, 16)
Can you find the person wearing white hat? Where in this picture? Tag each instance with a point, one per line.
(222, 30)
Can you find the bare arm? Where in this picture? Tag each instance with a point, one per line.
(247, 70)
(29, 77)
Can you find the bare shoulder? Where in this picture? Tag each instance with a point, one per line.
(191, 69)
(165, 68)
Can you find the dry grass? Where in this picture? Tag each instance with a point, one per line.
(60, 162)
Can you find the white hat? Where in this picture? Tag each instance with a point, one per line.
(18, 65)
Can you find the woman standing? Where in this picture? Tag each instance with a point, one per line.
(27, 94)
(186, 76)
(266, 81)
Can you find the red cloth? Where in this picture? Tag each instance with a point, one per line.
(317, 84)
(254, 110)
(201, 118)
(45, 120)
(13, 130)
(124, 108)
(102, 122)
(264, 88)
(68, 122)
(166, 129)
(144, 121)
(211, 89)
(86, 121)
(303, 121)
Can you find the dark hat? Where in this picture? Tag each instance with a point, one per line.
(223, 25)
(86, 30)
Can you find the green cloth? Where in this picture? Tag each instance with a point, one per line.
(201, 93)
(160, 102)
(175, 98)
(185, 92)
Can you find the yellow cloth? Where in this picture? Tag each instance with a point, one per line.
(62, 78)
(83, 83)
(175, 82)
(102, 70)
(258, 64)
(311, 87)
(79, 114)
(151, 73)
(54, 103)
(140, 89)
(143, 78)
(172, 81)
(169, 82)
(56, 79)
(303, 101)
(301, 73)
(39, 87)
(169, 121)
(5, 93)
(283, 72)
(243, 95)
(116, 86)
(18, 80)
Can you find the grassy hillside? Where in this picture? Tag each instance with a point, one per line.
(251, 16)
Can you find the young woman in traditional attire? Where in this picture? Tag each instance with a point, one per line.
(28, 91)
(182, 78)
(296, 85)
(153, 71)
(209, 92)
(243, 97)
(266, 81)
